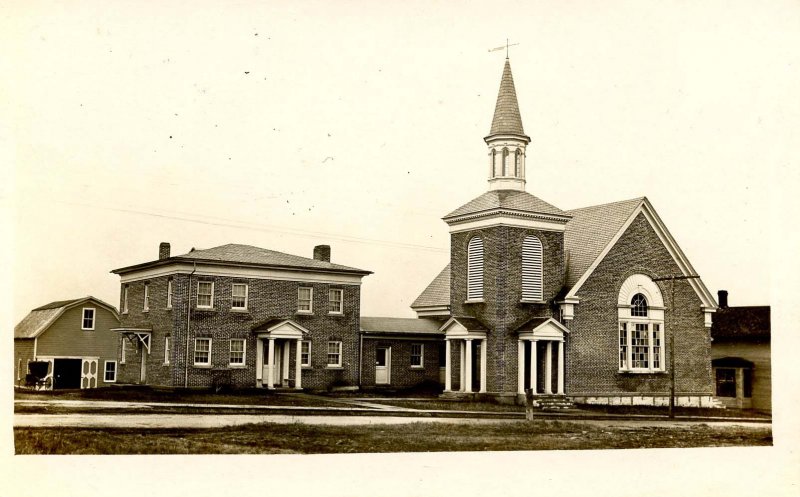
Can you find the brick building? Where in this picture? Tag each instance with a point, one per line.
(240, 316)
(567, 303)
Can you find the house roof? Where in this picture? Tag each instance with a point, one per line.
(233, 253)
(437, 293)
(590, 230)
(39, 319)
(746, 323)
(400, 325)
(511, 200)
(507, 119)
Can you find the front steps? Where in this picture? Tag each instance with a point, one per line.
(552, 402)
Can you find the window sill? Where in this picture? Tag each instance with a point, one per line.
(417, 367)
(340, 314)
(240, 311)
(165, 364)
(87, 329)
(304, 313)
(629, 371)
(334, 367)
(202, 366)
(530, 301)
(206, 309)
(168, 308)
(306, 367)
(237, 366)
(474, 301)
(145, 311)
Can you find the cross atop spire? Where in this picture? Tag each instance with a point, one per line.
(507, 120)
(504, 46)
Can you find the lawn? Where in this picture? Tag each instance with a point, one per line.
(267, 438)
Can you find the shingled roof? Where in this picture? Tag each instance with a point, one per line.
(511, 200)
(381, 325)
(249, 255)
(745, 323)
(437, 293)
(590, 230)
(507, 119)
(39, 319)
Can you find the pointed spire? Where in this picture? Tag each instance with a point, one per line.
(506, 112)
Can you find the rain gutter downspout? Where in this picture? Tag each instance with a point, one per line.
(188, 325)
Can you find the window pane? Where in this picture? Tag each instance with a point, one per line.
(416, 354)
(639, 305)
(335, 301)
(726, 382)
(239, 296)
(304, 299)
(204, 293)
(202, 349)
(305, 353)
(334, 353)
(623, 345)
(639, 346)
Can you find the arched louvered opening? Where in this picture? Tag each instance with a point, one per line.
(494, 163)
(532, 269)
(505, 160)
(475, 269)
(639, 306)
(517, 155)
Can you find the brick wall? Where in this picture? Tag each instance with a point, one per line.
(502, 310)
(266, 299)
(592, 346)
(402, 374)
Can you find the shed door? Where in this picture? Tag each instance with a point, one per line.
(383, 365)
(67, 373)
(89, 373)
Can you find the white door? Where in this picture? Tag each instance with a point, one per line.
(383, 365)
(89, 373)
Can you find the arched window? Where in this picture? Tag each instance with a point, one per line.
(517, 155)
(475, 269)
(494, 163)
(640, 310)
(531, 269)
(505, 158)
(639, 306)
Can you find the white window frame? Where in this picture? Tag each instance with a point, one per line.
(123, 344)
(310, 300)
(340, 292)
(338, 345)
(211, 300)
(83, 318)
(125, 299)
(105, 371)
(243, 351)
(146, 300)
(307, 362)
(246, 295)
(169, 293)
(194, 356)
(167, 349)
(421, 355)
(653, 324)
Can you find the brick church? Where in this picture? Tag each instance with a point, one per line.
(565, 303)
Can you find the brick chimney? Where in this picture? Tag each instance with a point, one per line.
(163, 251)
(322, 253)
(722, 297)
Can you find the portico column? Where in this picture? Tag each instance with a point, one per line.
(259, 362)
(548, 368)
(484, 343)
(448, 380)
(520, 366)
(271, 364)
(533, 367)
(298, 368)
(560, 380)
(285, 357)
(468, 369)
(462, 360)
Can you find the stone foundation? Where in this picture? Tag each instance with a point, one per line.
(651, 400)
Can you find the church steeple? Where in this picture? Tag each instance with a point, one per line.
(507, 139)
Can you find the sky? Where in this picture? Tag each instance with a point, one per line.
(360, 124)
(287, 125)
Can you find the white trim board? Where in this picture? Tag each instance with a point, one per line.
(670, 244)
(301, 275)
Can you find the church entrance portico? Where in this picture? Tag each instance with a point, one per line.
(540, 357)
(468, 337)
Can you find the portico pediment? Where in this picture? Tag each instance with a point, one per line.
(281, 328)
(542, 329)
(463, 327)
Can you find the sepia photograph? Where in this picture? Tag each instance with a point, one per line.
(351, 248)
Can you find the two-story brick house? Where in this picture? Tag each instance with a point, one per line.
(566, 302)
(240, 316)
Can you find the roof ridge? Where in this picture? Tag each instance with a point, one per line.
(638, 199)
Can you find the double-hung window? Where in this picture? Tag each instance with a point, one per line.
(305, 353)
(146, 305)
(110, 372)
(87, 319)
(335, 300)
(641, 327)
(169, 293)
(167, 349)
(305, 297)
(202, 352)
(205, 294)
(125, 299)
(416, 355)
(239, 296)
(237, 352)
(334, 354)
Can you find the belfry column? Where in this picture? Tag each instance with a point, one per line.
(462, 377)
(298, 368)
(259, 362)
(271, 364)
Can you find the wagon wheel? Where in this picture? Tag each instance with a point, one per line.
(48, 382)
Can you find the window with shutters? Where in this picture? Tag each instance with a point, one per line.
(475, 269)
(532, 277)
